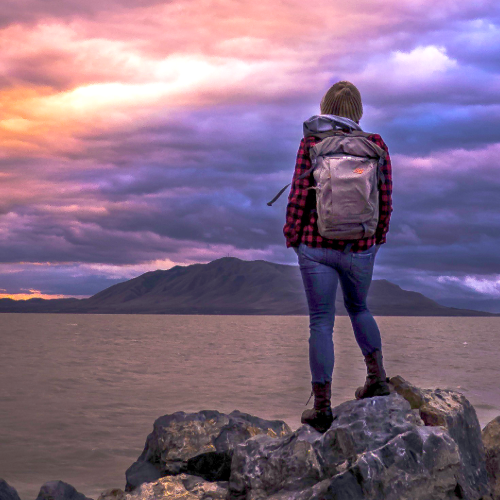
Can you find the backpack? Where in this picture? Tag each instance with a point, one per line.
(346, 167)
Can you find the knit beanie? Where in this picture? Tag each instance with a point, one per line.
(342, 99)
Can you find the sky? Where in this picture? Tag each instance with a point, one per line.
(139, 135)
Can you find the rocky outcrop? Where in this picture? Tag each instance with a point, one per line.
(7, 492)
(491, 440)
(58, 490)
(375, 449)
(415, 444)
(198, 444)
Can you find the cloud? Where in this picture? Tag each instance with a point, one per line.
(488, 286)
(421, 64)
(127, 142)
(450, 291)
(31, 11)
(180, 194)
(108, 72)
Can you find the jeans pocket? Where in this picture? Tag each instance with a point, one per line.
(309, 256)
(362, 262)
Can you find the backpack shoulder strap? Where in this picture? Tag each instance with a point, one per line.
(332, 133)
(303, 176)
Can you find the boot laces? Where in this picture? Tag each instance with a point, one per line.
(312, 392)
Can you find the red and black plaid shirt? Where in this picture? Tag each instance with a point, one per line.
(301, 218)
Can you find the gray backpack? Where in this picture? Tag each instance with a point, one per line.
(346, 167)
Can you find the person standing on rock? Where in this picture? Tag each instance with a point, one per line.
(328, 255)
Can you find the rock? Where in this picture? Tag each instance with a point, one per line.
(204, 488)
(451, 410)
(415, 444)
(58, 490)
(376, 448)
(423, 446)
(265, 465)
(7, 492)
(181, 487)
(419, 464)
(306, 457)
(112, 494)
(412, 394)
(491, 441)
(197, 443)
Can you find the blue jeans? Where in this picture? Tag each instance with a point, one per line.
(322, 269)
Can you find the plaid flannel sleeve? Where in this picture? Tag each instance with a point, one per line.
(385, 195)
(297, 199)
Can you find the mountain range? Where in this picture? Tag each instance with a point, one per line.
(229, 286)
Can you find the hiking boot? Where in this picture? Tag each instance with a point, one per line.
(320, 417)
(321, 420)
(376, 379)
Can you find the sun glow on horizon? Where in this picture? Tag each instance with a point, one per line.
(37, 294)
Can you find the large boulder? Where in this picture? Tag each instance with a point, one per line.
(197, 443)
(416, 444)
(7, 492)
(451, 410)
(59, 490)
(491, 441)
(376, 448)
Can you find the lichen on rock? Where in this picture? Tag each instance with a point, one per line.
(180, 487)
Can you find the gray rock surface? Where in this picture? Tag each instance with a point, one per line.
(376, 448)
(197, 443)
(7, 492)
(59, 490)
(416, 444)
(451, 410)
(491, 440)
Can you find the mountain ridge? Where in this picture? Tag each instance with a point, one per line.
(230, 286)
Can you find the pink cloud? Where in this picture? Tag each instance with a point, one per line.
(71, 75)
(116, 68)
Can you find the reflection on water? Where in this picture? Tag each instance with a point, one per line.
(79, 393)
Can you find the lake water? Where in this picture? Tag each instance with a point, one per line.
(79, 393)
